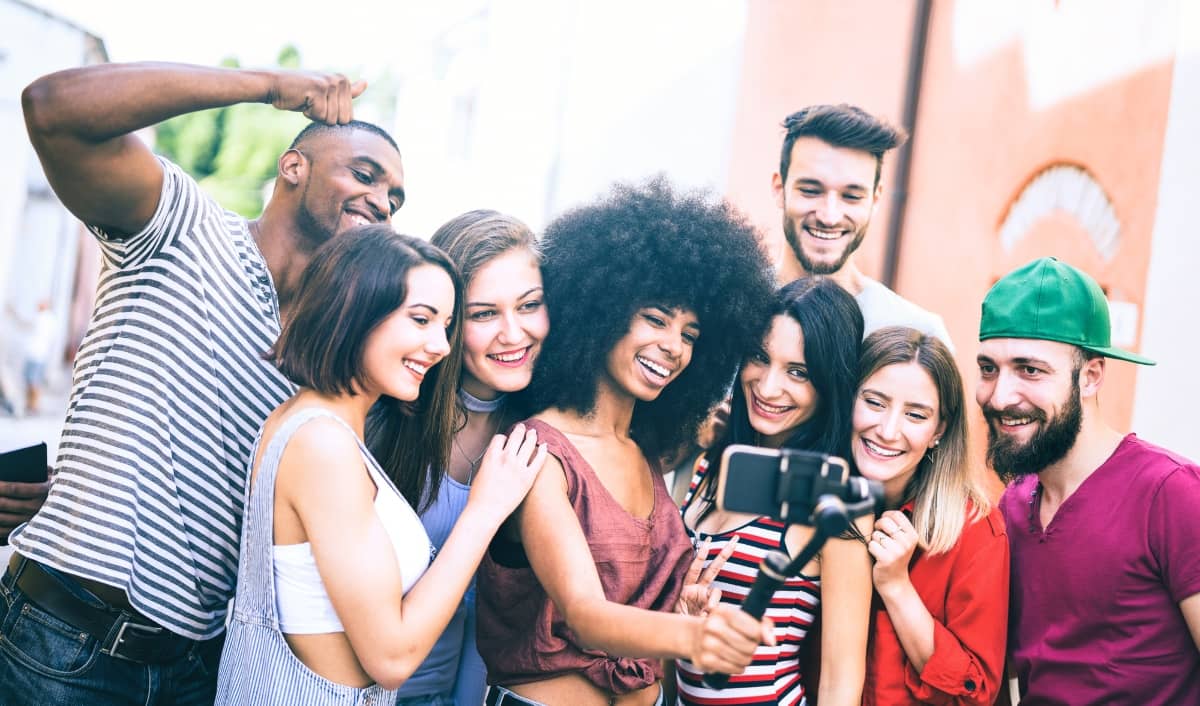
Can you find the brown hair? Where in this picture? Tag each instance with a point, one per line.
(476, 237)
(945, 493)
(354, 282)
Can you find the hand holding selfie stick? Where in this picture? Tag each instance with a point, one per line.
(799, 478)
(830, 518)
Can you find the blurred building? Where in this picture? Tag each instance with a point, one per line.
(1040, 127)
(532, 106)
(44, 253)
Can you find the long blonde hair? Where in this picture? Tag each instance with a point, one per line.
(944, 490)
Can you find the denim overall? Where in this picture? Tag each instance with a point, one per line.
(257, 666)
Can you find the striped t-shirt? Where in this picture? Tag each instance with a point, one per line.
(169, 390)
(773, 676)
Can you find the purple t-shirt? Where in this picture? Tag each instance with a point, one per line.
(1094, 615)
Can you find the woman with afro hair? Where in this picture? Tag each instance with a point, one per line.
(654, 297)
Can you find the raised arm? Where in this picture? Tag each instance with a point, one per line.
(81, 121)
(558, 552)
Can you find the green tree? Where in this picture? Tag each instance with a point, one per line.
(232, 151)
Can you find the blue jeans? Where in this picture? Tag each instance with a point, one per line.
(426, 700)
(45, 661)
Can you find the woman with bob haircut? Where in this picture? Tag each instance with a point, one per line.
(941, 553)
(653, 297)
(330, 542)
(504, 324)
(794, 390)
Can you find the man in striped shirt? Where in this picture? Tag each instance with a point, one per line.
(118, 590)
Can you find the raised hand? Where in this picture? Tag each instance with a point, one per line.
(508, 469)
(892, 544)
(323, 97)
(698, 596)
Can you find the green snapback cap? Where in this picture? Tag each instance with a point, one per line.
(1051, 301)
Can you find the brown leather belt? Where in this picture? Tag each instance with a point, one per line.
(124, 635)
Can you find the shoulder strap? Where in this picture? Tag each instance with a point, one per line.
(257, 571)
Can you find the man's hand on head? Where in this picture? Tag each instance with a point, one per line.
(323, 97)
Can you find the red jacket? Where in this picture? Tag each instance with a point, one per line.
(966, 592)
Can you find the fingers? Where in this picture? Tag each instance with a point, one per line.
(714, 600)
(23, 491)
(697, 565)
(326, 98)
(768, 632)
(728, 641)
(539, 460)
(893, 522)
(714, 568)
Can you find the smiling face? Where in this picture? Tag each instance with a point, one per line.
(828, 197)
(656, 349)
(1030, 396)
(505, 325)
(897, 418)
(779, 394)
(350, 178)
(412, 339)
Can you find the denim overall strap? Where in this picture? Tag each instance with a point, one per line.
(256, 575)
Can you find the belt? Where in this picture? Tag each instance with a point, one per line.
(126, 636)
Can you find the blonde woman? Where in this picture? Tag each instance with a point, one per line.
(941, 552)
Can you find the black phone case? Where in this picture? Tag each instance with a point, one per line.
(750, 480)
(27, 465)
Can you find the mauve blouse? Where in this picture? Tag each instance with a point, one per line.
(522, 635)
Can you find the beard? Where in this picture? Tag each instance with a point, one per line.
(820, 268)
(313, 232)
(1049, 445)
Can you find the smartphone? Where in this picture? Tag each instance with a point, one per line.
(781, 484)
(27, 465)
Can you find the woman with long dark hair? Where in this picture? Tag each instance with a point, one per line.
(795, 390)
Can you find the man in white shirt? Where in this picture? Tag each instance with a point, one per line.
(828, 188)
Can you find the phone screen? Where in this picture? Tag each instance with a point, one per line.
(27, 465)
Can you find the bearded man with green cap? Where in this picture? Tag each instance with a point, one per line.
(1104, 527)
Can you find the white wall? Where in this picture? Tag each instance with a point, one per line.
(532, 106)
(37, 251)
(1170, 333)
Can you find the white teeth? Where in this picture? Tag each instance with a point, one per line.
(1014, 421)
(825, 234)
(359, 220)
(875, 448)
(654, 367)
(508, 357)
(415, 367)
(770, 408)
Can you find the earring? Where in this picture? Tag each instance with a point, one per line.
(936, 442)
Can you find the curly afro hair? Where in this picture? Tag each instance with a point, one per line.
(640, 246)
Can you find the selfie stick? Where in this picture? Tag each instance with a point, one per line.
(830, 518)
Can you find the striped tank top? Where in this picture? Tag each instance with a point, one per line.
(773, 676)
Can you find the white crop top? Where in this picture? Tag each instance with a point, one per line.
(301, 601)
